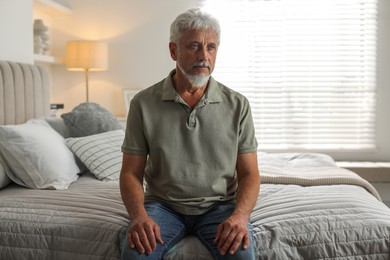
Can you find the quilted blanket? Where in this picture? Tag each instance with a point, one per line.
(317, 211)
(320, 222)
(314, 176)
(87, 221)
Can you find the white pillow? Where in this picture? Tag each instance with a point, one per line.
(101, 153)
(37, 156)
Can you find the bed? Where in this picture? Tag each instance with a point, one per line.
(59, 195)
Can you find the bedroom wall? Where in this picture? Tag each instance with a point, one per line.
(383, 81)
(16, 31)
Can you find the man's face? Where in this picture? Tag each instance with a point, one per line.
(196, 51)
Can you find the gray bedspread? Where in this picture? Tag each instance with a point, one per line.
(320, 222)
(89, 221)
(310, 209)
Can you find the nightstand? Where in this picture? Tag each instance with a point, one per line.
(54, 108)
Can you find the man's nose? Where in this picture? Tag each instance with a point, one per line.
(203, 54)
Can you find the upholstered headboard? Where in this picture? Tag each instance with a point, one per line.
(24, 92)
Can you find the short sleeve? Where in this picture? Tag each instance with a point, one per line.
(135, 141)
(247, 139)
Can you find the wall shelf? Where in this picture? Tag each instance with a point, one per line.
(51, 8)
(47, 59)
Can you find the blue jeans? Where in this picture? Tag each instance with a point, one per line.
(175, 226)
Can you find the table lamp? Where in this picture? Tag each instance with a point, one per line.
(86, 56)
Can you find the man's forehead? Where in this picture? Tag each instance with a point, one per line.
(200, 35)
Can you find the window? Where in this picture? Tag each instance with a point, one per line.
(307, 68)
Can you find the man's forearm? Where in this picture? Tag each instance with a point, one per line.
(234, 230)
(248, 184)
(247, 194)
(132, 195)
(130, 183)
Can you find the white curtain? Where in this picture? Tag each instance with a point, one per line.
(307, 68)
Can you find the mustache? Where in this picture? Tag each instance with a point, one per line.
(204, 64)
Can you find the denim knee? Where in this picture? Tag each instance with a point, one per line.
(133, 253)
(171, 227)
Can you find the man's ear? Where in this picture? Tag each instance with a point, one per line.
(173, 50)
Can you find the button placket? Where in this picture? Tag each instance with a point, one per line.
(192, 115)
(192, 119)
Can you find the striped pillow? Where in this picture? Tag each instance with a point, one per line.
(101, 153)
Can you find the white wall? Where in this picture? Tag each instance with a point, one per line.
(16, 35)
(383, 81)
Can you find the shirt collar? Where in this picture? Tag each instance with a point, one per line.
(212, 94)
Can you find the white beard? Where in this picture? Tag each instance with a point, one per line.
(198, 80)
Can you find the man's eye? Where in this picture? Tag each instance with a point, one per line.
(212, 47)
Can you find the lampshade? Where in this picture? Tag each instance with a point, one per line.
(86, 56)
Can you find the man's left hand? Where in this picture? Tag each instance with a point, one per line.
(231, 233)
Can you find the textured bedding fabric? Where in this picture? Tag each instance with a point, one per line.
(310, 209)
(89, 221)
(320, 222)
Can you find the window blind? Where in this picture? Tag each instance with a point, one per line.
(306, 66)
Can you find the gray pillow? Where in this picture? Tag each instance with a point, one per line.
(89, 119)
(58, 124)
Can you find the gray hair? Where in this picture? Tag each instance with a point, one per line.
(193, 18)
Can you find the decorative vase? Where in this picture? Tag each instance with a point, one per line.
(41, 38)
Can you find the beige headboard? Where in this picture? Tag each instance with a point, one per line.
(24, 92)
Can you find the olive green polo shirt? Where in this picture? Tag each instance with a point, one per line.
(192, 152)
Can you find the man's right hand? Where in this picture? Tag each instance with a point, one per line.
(144, 234)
